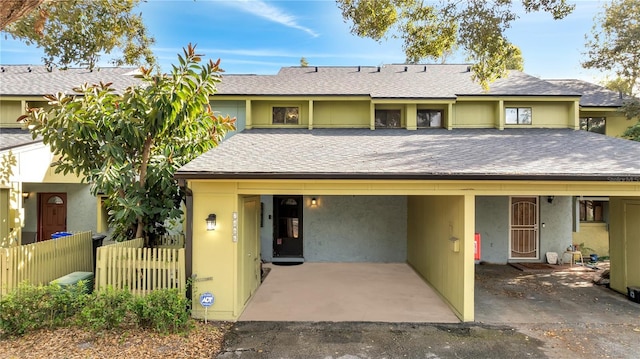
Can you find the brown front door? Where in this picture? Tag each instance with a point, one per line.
(524, 228)
(52, 214)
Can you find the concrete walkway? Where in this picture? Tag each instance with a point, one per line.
(334, 292)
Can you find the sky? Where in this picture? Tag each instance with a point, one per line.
(261, 36)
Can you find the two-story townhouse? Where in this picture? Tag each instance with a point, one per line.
(409, 164)
(46, 202)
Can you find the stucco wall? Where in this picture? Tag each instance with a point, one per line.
(492, 222)
(356, 229)
(346, 229)
(557, 233)
(82, 209)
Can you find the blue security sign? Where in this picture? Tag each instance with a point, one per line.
(206, 299)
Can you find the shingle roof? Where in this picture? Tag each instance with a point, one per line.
(17, 80)
(15, 137)
(592, 95)
(422, 154)
(390, 81)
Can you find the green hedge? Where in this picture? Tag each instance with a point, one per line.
(30, 308)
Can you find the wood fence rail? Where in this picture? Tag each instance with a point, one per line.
(41, 262)
(140, 270)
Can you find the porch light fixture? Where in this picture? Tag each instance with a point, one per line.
(314, 201)
(25, 195)
(211, 222)
(550, 199)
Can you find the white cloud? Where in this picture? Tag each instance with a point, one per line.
(270, 12)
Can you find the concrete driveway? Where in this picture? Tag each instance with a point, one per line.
(519, 315)
(352, 292)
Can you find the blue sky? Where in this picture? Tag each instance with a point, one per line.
(256, 36)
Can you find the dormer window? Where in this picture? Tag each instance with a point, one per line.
(517, 116)
(388, 118)
(286, 115)
(429, 118)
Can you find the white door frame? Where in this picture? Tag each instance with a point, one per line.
(534, 227)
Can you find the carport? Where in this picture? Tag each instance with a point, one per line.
(363, 292)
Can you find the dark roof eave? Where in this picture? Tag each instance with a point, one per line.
(411, 176)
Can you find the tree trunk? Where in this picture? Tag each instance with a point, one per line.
(13, 10)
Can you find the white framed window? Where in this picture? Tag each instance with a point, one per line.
(517, 116)
(429, 118)
(388, 118)
(285, 115)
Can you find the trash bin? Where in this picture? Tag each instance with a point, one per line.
(97, 242)
(75, 277)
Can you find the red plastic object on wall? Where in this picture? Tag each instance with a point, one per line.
(476, 247)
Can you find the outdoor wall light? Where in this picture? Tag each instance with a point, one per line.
(550, 199)
(211, 222)
(314, 201)
(25, 195)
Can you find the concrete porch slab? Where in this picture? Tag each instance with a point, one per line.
(336, 292)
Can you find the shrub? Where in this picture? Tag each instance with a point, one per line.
(32, 307)
(165, 311)
(108, 309)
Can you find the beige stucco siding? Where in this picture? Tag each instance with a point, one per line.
(594, 237)
(624, 242)
(9, 113)
(547, 115)
(341, 114)
(214, 252)
(474, 114)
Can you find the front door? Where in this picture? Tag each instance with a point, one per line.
(524, 228)
(52, 214)
(287, 228)
(249, 247)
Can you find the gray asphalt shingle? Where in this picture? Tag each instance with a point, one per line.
(459, 153)
(15, 137)
(592, 95)
(391, 81)
(17, 80)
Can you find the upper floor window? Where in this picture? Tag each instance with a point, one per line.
(388, 118)
(429, 118)
(592, 211)
(286, 115)
(593, 124)
(518, 115)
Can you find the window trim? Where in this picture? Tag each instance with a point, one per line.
(518, 109)
(431, 110)
(585, 218)
(588, 127)
(285, 123)
(400, 122)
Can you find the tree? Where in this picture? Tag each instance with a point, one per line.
(304, 62)
(128, 146)
(614, 47)
(78, 32)
(430, 30)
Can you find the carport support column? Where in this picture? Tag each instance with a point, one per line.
(468, 314)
